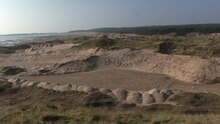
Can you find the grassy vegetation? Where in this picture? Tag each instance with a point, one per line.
(91, 42)
(192, 44)
(38, 106)
(11, 70)
(104, 42)
(53, 42)
(98, 99)
(196, 44)
(12, 49)
(197, 99)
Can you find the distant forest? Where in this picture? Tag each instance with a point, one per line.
(157, 30)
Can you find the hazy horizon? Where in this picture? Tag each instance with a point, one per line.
(46, 16)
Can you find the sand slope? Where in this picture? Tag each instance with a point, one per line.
(185, 68)
(60, 59)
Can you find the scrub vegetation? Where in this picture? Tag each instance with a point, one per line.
(38, 106)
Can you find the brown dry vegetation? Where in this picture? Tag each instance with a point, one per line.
(38, 106)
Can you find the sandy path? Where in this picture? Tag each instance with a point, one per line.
(126, 79)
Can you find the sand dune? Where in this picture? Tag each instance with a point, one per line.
(123, 68)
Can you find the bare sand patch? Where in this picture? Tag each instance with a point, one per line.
(125, 79)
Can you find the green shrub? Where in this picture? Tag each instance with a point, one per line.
(105, 42)
(166, 47)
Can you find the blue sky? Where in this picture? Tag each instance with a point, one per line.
(35, 16)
